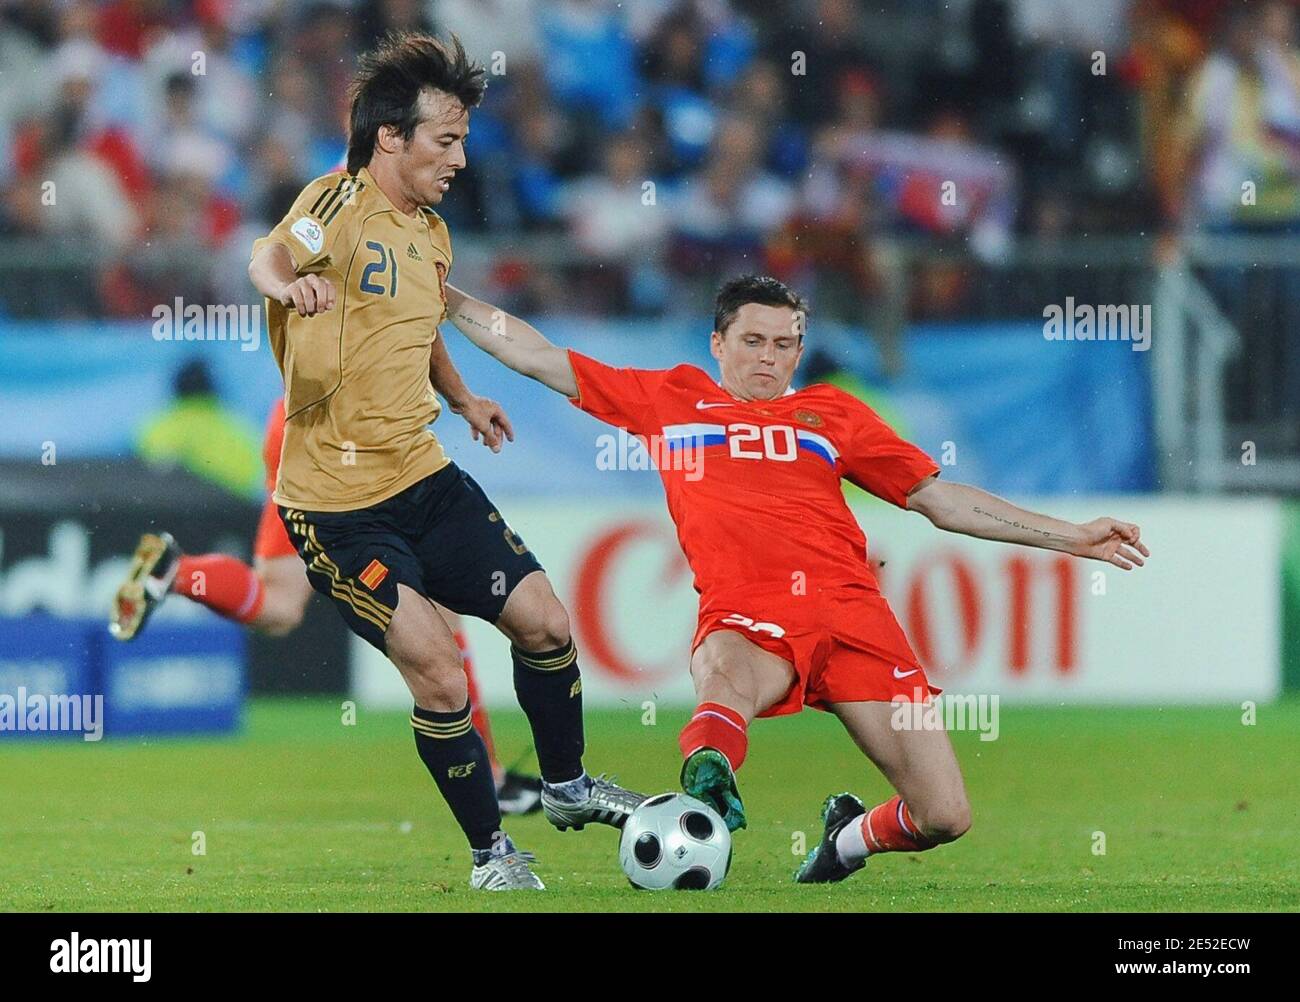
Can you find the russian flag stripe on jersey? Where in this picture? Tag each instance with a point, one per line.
(679, 436)
(818, 445)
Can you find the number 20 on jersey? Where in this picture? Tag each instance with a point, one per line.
(773, 441)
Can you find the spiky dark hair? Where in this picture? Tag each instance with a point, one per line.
(386, 89)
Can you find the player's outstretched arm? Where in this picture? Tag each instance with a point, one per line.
(275, 275)
(975, 512)
(512, 342)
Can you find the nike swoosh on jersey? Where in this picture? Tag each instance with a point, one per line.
(704, 406)
(904, 674)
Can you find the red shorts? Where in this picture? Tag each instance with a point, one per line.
(272, 538)
(845, 648)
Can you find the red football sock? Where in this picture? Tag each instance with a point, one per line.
(713, 725)
(224, 584)
(888, 827)
(477, 714)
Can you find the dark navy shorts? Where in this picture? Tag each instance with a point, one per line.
(441, 537)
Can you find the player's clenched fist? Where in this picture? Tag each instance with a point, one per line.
(309, 295)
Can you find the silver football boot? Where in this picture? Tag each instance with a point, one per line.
(607, 803)
(507, 872)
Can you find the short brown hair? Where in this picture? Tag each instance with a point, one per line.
(762, 289)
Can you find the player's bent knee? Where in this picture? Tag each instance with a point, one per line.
(556, 625)
(419, 644)
(280, 618)
(709, 661)
(546, 630)
(436, 684)
(714, 665)
(946, 824)
(286, 593)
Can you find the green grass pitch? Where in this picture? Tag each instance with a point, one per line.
(301, 813)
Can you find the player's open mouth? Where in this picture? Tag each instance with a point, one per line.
(444, 183)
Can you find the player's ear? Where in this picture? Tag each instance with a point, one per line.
(715, 345)
(388, 139)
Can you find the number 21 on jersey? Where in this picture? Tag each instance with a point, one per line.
(383, 266)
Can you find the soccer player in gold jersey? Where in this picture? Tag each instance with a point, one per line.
(386, 524)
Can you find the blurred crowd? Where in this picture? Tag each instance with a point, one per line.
(641, 144)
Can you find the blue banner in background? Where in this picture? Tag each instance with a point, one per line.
(181, 679)
(173, 679)
(995, 404)
(43, 657)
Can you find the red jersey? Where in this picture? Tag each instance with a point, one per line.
(760, 509)
(272, 441)
(272, 539)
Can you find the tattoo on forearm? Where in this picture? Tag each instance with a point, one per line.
(463, 319)
(1046, 534)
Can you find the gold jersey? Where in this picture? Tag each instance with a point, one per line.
(358, 400)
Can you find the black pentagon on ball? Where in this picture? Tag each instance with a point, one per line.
(697, 825)
(648, 850)
(661, 798)
(694, 879)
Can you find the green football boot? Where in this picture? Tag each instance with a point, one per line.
(707, 776)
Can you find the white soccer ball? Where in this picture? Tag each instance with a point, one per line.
(675, 841)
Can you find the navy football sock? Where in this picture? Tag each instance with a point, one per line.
(549, 688)
(456, 757)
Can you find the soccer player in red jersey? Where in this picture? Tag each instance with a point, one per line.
(271, 597)
(790, 611)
